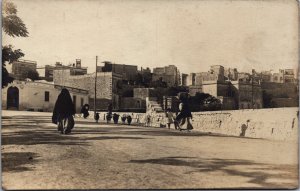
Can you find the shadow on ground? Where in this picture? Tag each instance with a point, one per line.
(28, 131)
(18, 161)
(258, 173)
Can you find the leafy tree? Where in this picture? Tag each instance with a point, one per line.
(204, 102)
(13, 26)
(158, 84)
(32, 74)
(267, 99)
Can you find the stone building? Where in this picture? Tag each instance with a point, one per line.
(216, 73)
(38, 96)
(106, 86)
(195, 89)
(169, 74)
(224, 91)
(249, 95)
(281, 94)
(231, 74)
(284, 76)
(128, 72)
(21, 68)
(277, 78)
(288, 75)
(46, 73)
(137, 103)
(184, 79)
(266, 76)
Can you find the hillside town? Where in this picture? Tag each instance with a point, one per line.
(150, 95)
(132, 89)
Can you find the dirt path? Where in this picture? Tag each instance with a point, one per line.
(36, 156)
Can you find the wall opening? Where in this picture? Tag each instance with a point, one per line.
(13, 98)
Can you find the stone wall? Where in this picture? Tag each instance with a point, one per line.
(132, 104)
(276, 123)
(142, 93)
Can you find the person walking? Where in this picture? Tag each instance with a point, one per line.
(85, 110)
(109, 113)
(63, 112)
(123, 118)
(170, 118)
(97, 117)
(129, 119)
(116, 118)
(148, 120)
(185, 114)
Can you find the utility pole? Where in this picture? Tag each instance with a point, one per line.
(252, 78)
(95, 89)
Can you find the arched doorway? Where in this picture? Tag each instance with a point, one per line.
(13, 98)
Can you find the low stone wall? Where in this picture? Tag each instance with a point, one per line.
(277, 123)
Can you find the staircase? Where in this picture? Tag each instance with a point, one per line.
(153, 105)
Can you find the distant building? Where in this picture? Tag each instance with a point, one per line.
(277, 78)
(38, 96)
(224, 91)
(106, 86)
(216, 73)
(206, 82)
(191, 79)
(168, 74)
(137, 103)
(219, 71)
(75, 68)
(249, 95)
(128, 72)
(281, 94)
(193, 90)
(243, 76)
(288, 75)
(266, 76)
(231, 74)
(284, 76)
(184, 79)
(142, 93)
(144, 76)
(20, 68)
(46, 73)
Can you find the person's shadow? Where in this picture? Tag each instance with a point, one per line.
(244, 128)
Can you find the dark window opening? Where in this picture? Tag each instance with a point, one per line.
(47, 96)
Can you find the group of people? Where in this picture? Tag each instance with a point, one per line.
(64, 111)
(183, 118)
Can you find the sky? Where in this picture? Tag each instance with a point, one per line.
(190, 34)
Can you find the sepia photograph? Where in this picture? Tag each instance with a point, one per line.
(150, 94)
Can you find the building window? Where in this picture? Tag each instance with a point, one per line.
(47, 95)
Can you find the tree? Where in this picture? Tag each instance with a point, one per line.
(13, 26)
(33, 75)
(204, 102)
(267, 99)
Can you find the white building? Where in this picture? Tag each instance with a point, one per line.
(38, 96)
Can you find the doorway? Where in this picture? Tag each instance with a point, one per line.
(13, 98)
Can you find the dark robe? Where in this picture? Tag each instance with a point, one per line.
(185, 111)
(64, 106)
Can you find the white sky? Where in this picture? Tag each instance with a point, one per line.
(189, 34)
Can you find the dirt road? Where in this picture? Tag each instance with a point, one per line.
(106, 156)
